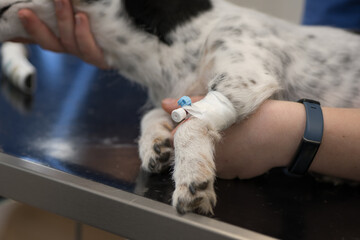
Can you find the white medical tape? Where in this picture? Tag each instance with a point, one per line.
(17, 68)
(215, 108)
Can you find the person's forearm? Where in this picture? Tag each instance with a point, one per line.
(271, 136)
(268, 138)
(339, 153)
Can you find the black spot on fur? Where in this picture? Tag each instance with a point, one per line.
(160, 17)
(310, 36)
(166, 74)
(8, 6)
(188, 64)
(274, 31)
(237, 57)
(106, 3)
(121, 40)
(346, 59)
(4, 9)
(193, 52)
(92, 1)
(232, 29)
(190, 35)
(213, 87)
(217, 80)
(130, 69)
(320, 58)
(253, 81)
(218, 44)
(259, 44)
(101, 14)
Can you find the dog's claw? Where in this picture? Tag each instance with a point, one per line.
(152, 164)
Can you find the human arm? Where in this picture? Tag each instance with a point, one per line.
(270, 137)
(75, 36)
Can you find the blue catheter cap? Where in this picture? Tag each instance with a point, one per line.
(184, 101)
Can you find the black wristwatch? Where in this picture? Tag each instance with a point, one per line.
(311, 140)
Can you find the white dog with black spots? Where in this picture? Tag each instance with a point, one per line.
(192, 47)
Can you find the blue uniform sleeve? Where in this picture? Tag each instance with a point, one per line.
(337, 13)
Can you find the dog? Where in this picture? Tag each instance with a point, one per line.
(202, 47)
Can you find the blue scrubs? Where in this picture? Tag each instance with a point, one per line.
(337, 13)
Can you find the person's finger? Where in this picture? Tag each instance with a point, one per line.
(38, 31)
(88, 48)
(170, 104)
(66, 25)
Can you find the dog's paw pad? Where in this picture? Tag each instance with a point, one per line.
(196, 197)
(162, 155)
(193, 188)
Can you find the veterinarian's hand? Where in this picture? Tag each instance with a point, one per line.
(75, 36)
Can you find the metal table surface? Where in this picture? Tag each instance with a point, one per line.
(71, 149)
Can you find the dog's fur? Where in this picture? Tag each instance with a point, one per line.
(190, 47)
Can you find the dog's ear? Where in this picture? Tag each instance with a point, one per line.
(159, 17)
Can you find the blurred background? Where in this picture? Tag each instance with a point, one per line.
(290, 10)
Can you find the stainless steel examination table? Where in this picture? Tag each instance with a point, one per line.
(71, 149)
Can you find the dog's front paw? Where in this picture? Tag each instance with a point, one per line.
(162, 155)
(194, 171)
(155, 148)
(195, 197)
(156, 154)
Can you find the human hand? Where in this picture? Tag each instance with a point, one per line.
(75, 36)
(256, 144)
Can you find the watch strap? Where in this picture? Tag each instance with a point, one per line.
(311, 140)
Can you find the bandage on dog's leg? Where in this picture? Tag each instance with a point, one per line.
(17, 68)
(216, 109)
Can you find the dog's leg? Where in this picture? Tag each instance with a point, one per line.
(155, 150)
(244, 87)
(194, 171)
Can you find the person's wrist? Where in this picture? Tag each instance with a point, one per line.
(285, 123)
(262, 141)
(293, 125)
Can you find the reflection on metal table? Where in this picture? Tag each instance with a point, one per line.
(71, 149)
